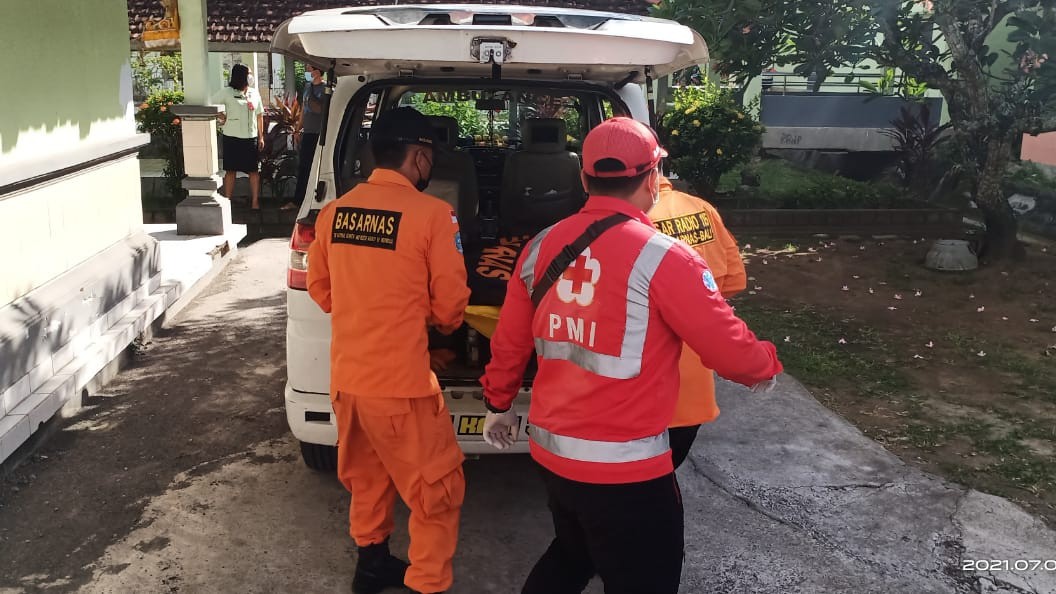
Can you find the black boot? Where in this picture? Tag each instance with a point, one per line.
(377, 569)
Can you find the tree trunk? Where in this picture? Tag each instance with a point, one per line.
(1001, 224)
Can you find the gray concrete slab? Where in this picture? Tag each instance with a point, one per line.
(187, 480)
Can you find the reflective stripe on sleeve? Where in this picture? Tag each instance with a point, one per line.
(608, 452)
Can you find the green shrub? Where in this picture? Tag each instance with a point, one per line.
(708, 134)
(783, 185)
(1028, 177)
(155, 117)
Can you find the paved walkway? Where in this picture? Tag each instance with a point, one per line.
(183, 478)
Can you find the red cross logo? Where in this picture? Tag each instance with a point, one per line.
(578, 274)
(577, 282)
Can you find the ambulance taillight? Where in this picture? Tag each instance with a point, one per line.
(303, 236)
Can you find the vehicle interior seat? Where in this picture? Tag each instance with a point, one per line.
(541, 182)
(454, 178)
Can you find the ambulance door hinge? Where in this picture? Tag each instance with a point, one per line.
(406, 72)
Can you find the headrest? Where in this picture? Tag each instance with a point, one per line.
(545, 135)
(446, 130)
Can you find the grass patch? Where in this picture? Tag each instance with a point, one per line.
(783, 185)
(815, 354)
(1026, 373)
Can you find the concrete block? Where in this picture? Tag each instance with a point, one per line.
(119, 311)
(89, 363)
(40, 374)
(13, 395)
(63, 385)
(63, 357)
(14, 431)
(203, 215)
(38, 408)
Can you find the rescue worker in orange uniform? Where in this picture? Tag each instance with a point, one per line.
(387, 265)
(697, 223)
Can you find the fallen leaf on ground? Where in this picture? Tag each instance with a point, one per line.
(1033, 321)
(892, 308)
(918, 294)
(930, 345)
(917, 357)
(981, 353)
(845, 288)
(788, 339)
(842, 341)
(981, 309)
(898, 297)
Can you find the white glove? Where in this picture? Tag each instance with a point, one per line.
(765, 387)
(501, 429)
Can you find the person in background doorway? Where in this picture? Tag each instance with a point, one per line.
(314, 103)
(243, 131)
(698, 224)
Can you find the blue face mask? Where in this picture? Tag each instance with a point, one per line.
(308, 75)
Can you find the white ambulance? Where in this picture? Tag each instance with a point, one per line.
(512, 91)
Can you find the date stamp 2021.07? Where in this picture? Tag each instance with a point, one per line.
(1008, 565)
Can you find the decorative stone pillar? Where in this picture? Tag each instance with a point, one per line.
(204, 212)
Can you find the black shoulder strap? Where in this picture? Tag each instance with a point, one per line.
(570, 252)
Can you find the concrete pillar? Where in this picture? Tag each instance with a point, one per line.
(216, 73)
(289, 85)
(204, 212)
(194, 46)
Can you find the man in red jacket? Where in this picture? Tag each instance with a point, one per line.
(607, 313)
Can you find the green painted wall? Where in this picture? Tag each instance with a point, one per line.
(64, 64)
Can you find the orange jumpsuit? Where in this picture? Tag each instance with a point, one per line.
(386, 264)
(696, 222)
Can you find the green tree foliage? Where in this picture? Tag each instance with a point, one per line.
(744, 37)
(708, 134)
(151, 72)
(824, 36)
(944, 44)
(155, 117)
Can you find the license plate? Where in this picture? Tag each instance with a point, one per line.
(468, 425)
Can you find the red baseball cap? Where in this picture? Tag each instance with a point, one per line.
(621, 147)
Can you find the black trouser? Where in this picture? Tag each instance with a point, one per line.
(681, 442)
(304, 163)
(629, 534)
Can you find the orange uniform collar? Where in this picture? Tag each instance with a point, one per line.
(390, 177)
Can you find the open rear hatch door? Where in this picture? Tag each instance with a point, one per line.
(495, 40)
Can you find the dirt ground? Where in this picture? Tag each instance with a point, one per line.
(188, 403)
(954, 372)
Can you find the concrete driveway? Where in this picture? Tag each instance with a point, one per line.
(181, 477)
